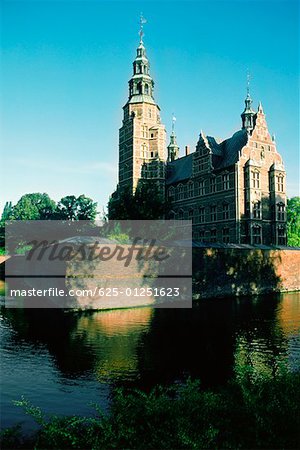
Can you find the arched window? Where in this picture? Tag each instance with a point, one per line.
(140, 87)
(146, 89)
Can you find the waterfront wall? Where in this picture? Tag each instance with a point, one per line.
(222, 272)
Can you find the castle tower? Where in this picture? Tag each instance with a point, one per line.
(142, 137)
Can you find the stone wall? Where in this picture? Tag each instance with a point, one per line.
(221, 272)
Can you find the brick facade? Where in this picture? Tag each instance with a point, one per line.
(233, 190)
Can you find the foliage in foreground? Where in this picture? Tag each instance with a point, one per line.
(253, 411)
(293, 221)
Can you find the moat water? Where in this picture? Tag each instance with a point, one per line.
(65, 361)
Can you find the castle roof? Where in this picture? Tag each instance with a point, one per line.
(224, 154)
(180, 169)
(230, 149)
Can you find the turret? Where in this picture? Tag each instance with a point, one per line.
(173, 148)
(248, 113)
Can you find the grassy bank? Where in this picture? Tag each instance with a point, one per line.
(252, 411)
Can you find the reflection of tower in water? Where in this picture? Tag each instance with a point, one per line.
(115, 336)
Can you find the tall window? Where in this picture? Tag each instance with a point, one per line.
(190, 189)
(180, 192)
(180, 215)
(213, 213)
(279, 183)
(281, 237)
(202, 235)
(213, 185)
(256, 234)
(201, 187)
(280, 211)
(185, 191)
(225, 211)
(225, 234)
(171, 193)
(202, 214)
(257, 210)
(255, 176)
(144, 151)
(213, 235)
(225, 179)
(191, 215)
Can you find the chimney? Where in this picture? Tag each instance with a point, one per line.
(187, 150)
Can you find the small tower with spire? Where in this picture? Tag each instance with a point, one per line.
(248, 113)
(173, 148)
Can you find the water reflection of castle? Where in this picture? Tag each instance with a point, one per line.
(145, 346)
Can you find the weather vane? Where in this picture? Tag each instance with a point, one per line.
(141, 32)
(248, 82)
(173, 122)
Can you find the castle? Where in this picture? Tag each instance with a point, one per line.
(232, 190)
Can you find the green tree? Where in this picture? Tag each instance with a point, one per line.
(35, 206)
(147, 203)
(293, 221)
(76, 208)
(7, 212)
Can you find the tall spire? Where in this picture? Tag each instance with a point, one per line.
(248, 113)
(141, 84)
(173, 148)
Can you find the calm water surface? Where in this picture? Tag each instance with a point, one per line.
(64, 361)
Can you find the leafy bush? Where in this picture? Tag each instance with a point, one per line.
(253, 411)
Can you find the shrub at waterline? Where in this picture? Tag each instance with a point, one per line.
(252, 411)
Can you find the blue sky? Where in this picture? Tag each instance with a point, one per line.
(65, 68)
